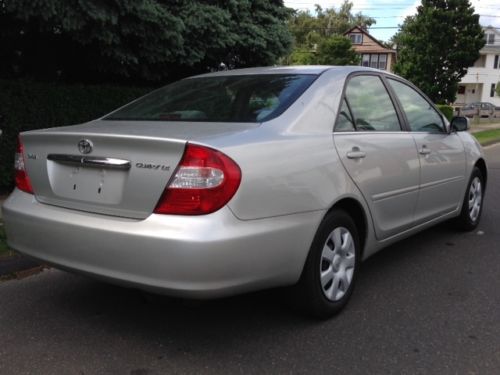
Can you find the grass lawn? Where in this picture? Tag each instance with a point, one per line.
(487, 136)
(4, 250)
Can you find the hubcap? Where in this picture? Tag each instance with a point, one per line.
(475, 199)
(338, 259)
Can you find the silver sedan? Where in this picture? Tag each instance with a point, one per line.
(236, 181)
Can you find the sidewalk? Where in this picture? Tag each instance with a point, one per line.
(474, 127)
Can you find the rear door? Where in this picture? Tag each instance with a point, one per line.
(441, 155)
(380, 158)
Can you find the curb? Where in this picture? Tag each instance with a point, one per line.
(490, 143)
(18, 266)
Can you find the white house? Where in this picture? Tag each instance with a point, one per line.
(479, 84)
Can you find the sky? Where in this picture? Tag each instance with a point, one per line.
(390, 13)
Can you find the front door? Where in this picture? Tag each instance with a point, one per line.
(441, 155)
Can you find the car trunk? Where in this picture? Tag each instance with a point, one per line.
(124, 174)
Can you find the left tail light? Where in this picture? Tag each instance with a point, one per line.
(22, 180)
(204, 181)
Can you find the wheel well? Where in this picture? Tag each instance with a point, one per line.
(356, 211)
(484, 171)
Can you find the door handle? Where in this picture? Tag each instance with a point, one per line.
(424, 150)
(356, 153)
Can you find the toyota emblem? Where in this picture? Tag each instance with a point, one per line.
(85, 146)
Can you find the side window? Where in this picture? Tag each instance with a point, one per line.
(372, 108)
(344, 121)
(422, 117)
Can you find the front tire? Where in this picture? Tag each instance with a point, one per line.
(331, 267)
(472, 205)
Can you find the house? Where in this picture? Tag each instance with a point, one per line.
(479, 84)
(373, 53)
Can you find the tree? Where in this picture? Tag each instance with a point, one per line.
(311, 30)
(437, 45)
(336, 50)
(141, 40)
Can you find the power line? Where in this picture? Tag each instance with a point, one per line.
(398, 5)
(370, 28)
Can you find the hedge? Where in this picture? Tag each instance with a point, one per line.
(446, 110)
(27, 105)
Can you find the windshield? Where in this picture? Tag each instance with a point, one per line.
(249, 98)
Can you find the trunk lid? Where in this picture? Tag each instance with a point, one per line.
(125, 171)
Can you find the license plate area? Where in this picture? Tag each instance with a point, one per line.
(87, 184)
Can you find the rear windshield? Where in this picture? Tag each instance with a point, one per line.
(250, 98)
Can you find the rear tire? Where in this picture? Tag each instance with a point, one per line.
(472, 205)
(331, 267)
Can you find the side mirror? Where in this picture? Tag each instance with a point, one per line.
(460, 124)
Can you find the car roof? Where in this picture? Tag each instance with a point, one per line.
(296, 69)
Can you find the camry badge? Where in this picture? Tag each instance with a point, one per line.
(153, 166)
(85, 146)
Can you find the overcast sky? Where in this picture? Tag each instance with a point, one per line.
(390, 13)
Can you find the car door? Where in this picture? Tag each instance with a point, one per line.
(441, 154)
(381, 159)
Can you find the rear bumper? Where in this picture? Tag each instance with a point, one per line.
(191, 256)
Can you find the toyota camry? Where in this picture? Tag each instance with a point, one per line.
(236, 181)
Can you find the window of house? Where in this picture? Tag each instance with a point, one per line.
(461, 90)
(356, 38)
(371, 106)
(490, 38)
(492, 90)
(365, 61)
(382, 61)
(421, 116)
(496, 65)
(374, 61)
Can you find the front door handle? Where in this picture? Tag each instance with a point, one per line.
(356, 153)
(424, 150)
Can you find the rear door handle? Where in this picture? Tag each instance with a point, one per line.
(356, 153)
(424, 150)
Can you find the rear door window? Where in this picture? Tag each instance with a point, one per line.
(345, 122)
(371, 106)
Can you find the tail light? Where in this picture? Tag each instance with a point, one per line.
(204, 181)
(22, 180)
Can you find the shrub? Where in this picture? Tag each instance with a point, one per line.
(27, 105)
(446, 110)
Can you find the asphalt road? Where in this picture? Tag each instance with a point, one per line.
(428, 305)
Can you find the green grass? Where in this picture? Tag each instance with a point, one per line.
(488, 136)
(4, 250)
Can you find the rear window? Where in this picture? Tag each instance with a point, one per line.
(249, 98)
